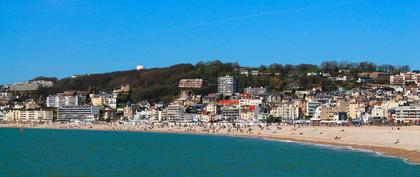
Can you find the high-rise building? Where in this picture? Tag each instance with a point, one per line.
(226, 85)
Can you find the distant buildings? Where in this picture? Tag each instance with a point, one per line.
(77, 113)
(374, 75)
(243, 71)
(226, 85)
(256, 90)
(122, 89)
(341, 78)
(404, 78)
(190, 83)
(369, 103)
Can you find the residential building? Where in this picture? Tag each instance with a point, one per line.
(311, 107)
(174, 113)
(407, 114)
(355, 110)
(285, 111)
(104, 99)
(34, 115)
(397, 80)
(229, 113)
(403, 78)
(62, 100)
(329, 112)
(226, 85)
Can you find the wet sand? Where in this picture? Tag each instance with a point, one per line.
(402, 142)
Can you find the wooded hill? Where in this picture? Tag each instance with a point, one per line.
(161, 84)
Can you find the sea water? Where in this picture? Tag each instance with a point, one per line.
(55, 153)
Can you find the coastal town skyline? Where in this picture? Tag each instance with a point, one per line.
(41, 37)
(331, 104)
(210, 88)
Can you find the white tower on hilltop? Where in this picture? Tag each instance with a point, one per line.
(139, 67)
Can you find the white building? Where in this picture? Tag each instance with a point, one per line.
(77, 113)
(61, 100)
(285, 111)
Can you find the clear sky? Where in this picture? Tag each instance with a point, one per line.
(65, 37)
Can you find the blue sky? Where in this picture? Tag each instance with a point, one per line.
(65, 37)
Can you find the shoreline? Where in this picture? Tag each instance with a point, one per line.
(409, 156)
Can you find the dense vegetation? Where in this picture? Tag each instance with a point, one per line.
(160, 84)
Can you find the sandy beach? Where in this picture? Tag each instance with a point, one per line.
(402, 142)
